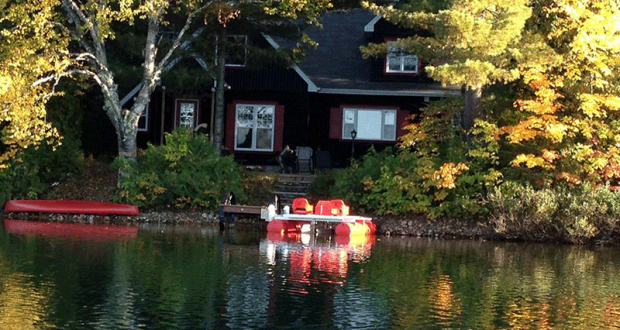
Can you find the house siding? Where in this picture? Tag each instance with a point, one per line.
(325, 129)
(273, 78)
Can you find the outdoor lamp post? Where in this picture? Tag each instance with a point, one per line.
(353, 135)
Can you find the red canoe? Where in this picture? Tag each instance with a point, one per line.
(70, 206)
(70, 230)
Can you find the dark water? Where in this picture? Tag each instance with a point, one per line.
(190, 278)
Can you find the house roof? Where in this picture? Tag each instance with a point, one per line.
(336, 66)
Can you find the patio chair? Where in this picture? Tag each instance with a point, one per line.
(304, 159)
(301, 205)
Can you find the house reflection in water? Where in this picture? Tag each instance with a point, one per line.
(307, 273)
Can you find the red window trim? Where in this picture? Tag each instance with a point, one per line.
(278, 126)
(177, 111)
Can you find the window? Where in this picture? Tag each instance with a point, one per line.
(186, 113)
(370, 124)
(254, 127)
(143, 122)
(399, 61)
(236, 51)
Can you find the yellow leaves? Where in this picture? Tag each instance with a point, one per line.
(530, 161)
(159, 190)
(569, 177)
(543, 126)
(473, 73)
(306, 10)
(597, 105)
(550, 155)
(36, 46)
(447, 174)
(544, 161)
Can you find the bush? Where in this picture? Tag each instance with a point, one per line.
(184, 172)
(383, 182)
(437, 170)
(575, 213)
(258, 187)
(31, 172)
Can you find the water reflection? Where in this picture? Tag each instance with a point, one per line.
(78, 231)
(309, 284)
(169, 277)
(484, 285)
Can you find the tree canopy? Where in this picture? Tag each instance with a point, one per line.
(470, 43)
(45, 41)
(30, 48)
(569, 110)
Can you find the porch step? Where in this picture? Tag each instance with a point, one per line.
(290, 186)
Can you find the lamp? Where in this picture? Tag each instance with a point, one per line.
(353, 136)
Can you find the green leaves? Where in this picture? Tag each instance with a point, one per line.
(472, 41)
(184, 172)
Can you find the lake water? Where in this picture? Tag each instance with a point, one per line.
(197, 278)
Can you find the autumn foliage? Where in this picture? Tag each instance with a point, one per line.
(552, 124)
(569, 106)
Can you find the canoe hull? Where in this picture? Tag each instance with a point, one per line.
(70, 207)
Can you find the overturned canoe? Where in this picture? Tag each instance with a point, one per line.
(70, 206)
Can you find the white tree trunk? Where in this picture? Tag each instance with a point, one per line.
(125, 121)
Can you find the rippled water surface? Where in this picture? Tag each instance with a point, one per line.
(193, 278)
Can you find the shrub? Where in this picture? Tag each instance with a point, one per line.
(258, 187)
(571, 213)
(438, 169)
(31, 172)
(184, 172)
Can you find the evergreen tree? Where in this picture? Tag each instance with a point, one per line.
(471, 43)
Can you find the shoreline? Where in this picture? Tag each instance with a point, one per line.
(402, 225)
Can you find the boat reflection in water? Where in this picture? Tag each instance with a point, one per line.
(317, 259)
(78, 231)
(308, 273)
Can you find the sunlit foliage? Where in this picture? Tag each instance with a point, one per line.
(570, 108)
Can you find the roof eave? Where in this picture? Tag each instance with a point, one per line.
(311, 85)
(418, 93)
(370, 27)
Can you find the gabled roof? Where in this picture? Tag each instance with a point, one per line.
(185, 45)
(336, 66)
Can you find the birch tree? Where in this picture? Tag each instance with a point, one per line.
(76, 33)
(90, 25)
(69, 38)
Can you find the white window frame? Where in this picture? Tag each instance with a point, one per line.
(178, 118)
(255, 126)
(244, 41)
(395, 56)
(144, 117)
(364, 122)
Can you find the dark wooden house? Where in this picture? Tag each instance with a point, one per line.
(317, 104)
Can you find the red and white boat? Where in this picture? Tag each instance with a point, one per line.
(302, 216)
(70, 207)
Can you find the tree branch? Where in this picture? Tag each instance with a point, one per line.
(68, 73)
(78, 16)
(177, 41)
